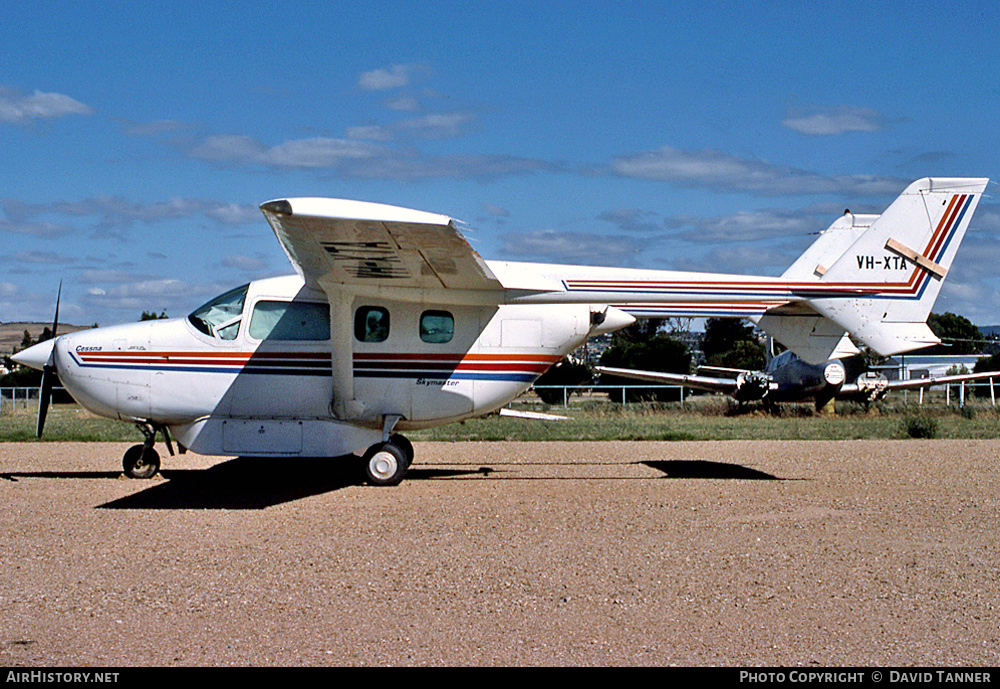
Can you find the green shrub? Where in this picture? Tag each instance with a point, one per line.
(920, 427)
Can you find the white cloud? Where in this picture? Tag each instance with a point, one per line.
(229, 148)
(835, 120)
(370, 132)
(113, 211)
(18, 108)
(35, 229)
(93, 276)
(296, 153)
(233, 213)
(404, 104)
(438, 126)
(571, 247)
(391, 77)
(365, 159)
(724, 172)
(155, 294)
(745, 226)
(248, 264)
(632, 220)
(495, 210)
(742, 260)
(45, 257)
(156, 128)
(318, 152)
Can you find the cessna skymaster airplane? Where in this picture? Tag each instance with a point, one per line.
(394, 323)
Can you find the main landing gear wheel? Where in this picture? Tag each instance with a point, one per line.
(141, 462)
(403, 444)
(386, 464)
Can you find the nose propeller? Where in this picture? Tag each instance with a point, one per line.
(48, 373)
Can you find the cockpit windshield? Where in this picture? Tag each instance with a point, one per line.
(221, 317)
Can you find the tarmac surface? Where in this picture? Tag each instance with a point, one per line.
(856, 553)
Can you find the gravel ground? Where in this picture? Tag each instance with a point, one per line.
(859, 553)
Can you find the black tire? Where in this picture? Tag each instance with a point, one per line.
(385, 464)
(403, 443)
(140, 462)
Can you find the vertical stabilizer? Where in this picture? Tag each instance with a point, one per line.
(887, 281)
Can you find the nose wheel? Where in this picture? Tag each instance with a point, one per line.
(141, 462)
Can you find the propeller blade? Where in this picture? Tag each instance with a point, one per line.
(48, 372)
(44, 396)
(55, 321)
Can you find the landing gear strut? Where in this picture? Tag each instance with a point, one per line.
(143, 461)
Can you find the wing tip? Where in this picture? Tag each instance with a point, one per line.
(278, 207)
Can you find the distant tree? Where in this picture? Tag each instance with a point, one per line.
(730, 342)
(657, 353)
(745, 354)
(678, 325)
(640, 331)
(983, 364)
(151, 316)
(958, 335)
(566, 372)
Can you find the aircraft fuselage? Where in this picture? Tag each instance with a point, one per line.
(259, 379)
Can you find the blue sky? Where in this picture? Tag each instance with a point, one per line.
(138, 139)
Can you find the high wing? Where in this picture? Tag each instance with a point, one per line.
(346, 248)
(335, 242)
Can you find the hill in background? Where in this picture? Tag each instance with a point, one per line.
(11, 334)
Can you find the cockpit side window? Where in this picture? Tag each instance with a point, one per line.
(221, 317)
(297, 320)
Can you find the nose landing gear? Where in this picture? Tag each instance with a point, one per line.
(143, 461)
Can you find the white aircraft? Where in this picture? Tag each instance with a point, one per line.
(787, 378)
(394, 323)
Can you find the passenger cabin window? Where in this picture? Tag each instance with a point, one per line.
(371, 324)
(296, 320)
(221, 317)
(437, 327)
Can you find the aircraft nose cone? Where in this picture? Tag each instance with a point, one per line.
(35, 356)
